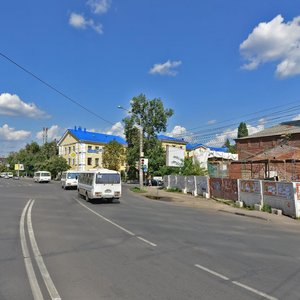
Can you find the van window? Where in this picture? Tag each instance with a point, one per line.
(107, 178)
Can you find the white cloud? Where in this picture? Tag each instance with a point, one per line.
(166, 68)
(210, 122)
(53, 133)
(78, 21)
(296, 118)
(12, 105)
(10, 134)
(274, 41)
(177, 130)
(117, 129)
(99, 6)
(231, 134)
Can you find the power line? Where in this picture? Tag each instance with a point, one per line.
(55, 89)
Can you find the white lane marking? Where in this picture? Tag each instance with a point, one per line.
(39, 259)
(115, 224)
(246, 287)
(212, 272)
(35, 288)
(254, 290)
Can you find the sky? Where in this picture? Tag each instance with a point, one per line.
(215, 63)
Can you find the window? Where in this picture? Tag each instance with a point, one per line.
(74, 148)
(97, 161)
(107, 178)
(65, 150)
(97, 148)
(89, 148)
(69, 150)
(73, 161)
(69, 161)
(89, 161)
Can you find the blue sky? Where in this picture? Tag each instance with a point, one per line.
(213, 61)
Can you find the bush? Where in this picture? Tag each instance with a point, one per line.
(267, 208)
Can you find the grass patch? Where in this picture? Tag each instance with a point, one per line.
(267, 208)
(137, 190)
(174, 190)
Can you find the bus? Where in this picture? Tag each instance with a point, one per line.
(99, 184)
(69, 179)
(42, 176)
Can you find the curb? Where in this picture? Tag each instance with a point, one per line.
(244, 215)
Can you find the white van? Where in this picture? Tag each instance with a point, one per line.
(99, 184)
(69, 179)
(42, 176)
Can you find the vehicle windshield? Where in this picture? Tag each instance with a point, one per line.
(72, 175)
(45, 174)
(107, 178)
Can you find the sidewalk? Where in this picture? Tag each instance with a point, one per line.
(224, 206)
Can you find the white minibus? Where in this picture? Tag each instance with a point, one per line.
(69, 179)
(99, 184)
(42, 176)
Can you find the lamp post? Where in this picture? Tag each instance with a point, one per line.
(141, 174)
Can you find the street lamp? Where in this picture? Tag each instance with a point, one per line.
(141, 174)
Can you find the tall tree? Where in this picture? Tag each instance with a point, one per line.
(113, 156)
(242, 130)
(231, 148)
(153, 117)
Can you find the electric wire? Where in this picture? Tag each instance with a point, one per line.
(55, 89)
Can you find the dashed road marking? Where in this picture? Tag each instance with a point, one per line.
(116, 225)
(246, 287)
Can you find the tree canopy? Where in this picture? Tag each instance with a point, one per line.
(242, 130)
(153, 117)
(113, 156)
(35, 157)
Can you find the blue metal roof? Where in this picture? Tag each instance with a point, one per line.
(194, 146)
(169, 138)
(95, 137)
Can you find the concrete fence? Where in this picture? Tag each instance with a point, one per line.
(280, 195)
(284, 196)
(195, 185)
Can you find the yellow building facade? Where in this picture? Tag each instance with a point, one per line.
(83, 149)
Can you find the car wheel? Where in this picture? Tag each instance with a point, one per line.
(87, 199)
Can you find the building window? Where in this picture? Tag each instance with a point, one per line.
(73, 161)
(74, 148)
(65, 150)
(69, 150)
(97, 149)
(89, 148)
(97, 162)
(69, 161)
(89, 161)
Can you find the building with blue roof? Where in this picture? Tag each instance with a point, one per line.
(83, 149)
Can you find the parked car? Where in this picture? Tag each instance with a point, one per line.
(153, 182)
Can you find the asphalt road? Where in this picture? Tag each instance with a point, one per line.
(56, 246)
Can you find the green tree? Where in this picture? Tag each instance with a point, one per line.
(113, 156)
(188, 168)
(231, 148)
(153, 117)
(242, 130)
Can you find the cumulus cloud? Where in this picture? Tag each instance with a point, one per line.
(231, 134)
(274, 41)
(210, 122)
(99, 6)
(78, 21)
(117, 129)
(12, 105)
(166, 68)
(10, 134)
(54, 133)
(177, 130)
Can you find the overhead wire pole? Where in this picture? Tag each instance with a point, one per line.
(140, 127)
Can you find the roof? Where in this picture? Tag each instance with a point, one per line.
(162, 137)
(95, 137)
(280, 152)
(284, 128)
(190, 147)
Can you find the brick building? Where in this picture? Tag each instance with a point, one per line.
(273, 152)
